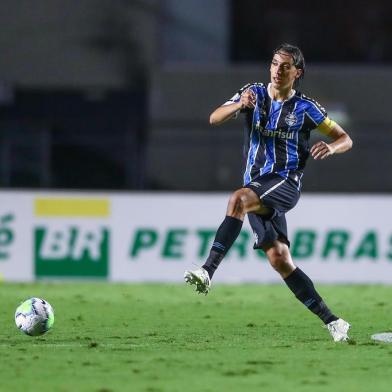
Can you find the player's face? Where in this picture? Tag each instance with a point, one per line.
(283, 71)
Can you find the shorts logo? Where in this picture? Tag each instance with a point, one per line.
(290, 119)
(256, 184)
(256, 238)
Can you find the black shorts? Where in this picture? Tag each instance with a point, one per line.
(278, 194)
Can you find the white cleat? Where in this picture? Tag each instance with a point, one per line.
(200, 279)
(338, 330)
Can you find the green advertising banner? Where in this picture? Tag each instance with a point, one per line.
(71, 252)
(139, 237)
(6, 235)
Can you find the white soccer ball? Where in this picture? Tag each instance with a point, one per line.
(34, 316)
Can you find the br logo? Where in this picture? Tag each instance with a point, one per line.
(71, 251)
(6, 235)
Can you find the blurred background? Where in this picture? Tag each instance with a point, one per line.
(110, 172)
(116, 94)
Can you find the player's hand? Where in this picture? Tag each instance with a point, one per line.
(248, 99)
(321, 150)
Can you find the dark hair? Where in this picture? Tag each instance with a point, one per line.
(297, 56)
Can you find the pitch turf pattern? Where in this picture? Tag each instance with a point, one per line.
(155, 338)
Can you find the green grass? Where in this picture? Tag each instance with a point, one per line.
(167, 338)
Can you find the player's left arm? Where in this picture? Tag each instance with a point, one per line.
(341, 141)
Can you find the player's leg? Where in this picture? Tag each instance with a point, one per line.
(257, 198)
(298, 282)
(301, 285)
(241, 202)
(245, 200)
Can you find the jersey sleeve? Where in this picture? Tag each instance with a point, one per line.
(315, 112)
(236, 97)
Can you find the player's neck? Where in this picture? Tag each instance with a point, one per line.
(281, 94)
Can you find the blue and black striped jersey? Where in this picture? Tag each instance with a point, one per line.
(277, 133)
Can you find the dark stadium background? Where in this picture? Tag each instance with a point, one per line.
(108, 169)
(115, 94)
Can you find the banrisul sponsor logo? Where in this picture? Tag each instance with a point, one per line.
(335, 245)
(7, 235)
(71, 245)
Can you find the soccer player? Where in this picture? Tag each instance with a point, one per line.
(279, 120)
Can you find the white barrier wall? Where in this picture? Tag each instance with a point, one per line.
(155, 237)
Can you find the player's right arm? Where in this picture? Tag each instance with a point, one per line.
(231, 109)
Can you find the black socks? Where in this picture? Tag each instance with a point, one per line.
(225, 236)
(298, 282)
(302, 287)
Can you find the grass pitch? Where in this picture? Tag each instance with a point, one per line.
(154, 338)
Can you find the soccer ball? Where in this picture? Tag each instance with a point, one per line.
(34, 316)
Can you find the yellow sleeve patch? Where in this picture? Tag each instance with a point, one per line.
(326, 126)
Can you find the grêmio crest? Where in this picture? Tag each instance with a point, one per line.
(290, 119)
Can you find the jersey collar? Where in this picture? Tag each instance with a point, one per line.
(291, 95)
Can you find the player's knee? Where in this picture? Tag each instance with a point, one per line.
(242, 201)
(279, 264)
(279, 257)
(237, 202)
(277, 261)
